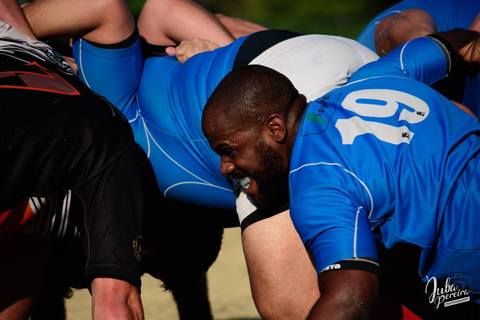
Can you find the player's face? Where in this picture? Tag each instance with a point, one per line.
(246, 156)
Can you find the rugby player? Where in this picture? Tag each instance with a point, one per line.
(59, 141)
(381, 162)
(414, 18)
(164, 100)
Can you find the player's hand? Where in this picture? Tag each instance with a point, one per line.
(239, 27)
(114, 299)
(188, 48)
(471, 54)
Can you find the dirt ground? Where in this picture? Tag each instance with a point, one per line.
(228, 286)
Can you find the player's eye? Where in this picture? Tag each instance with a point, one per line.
(229, 152)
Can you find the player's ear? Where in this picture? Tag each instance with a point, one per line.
(276, 128)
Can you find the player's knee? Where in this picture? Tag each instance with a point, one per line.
(113, 22)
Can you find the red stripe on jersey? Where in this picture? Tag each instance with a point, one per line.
(41, 79)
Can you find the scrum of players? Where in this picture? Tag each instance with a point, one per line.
(357, 174)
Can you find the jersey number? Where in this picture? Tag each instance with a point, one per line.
(381, 103)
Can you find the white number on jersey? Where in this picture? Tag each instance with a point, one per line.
(381, 103)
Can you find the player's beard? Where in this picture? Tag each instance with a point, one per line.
(272, 180)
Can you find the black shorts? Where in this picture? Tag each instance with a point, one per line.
(57, 138)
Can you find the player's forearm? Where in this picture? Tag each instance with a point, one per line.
(114, 299)
(11, 13)
(166, 22)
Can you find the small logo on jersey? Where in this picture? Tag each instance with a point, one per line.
(448, 292)
(321, 115)
(335, 266)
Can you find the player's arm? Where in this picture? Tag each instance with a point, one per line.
(336, 232)
(399, 28)
(168, 22)
(11, 13)
(426, 59)
(115, 299)
(345, 294)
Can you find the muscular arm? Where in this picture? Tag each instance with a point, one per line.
(11, 13)
(397, 29)
(167, 22)
(115, 299)
(345, 294)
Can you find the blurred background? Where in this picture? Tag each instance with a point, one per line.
(341, 17)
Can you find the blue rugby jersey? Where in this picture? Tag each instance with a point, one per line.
(171, 98)
(163, 100)
(387, 159)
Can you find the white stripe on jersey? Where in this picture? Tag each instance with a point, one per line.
(347, 171)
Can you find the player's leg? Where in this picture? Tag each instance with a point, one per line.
(104, 21)
(179, 249)
(282, 277)
(167, 22)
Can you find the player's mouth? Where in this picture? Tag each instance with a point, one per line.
(245, 183)
(249, 186)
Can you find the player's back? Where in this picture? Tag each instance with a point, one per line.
(172, 97)
(394, 148)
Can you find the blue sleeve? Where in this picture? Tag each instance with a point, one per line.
(423, 59)
(331, 221)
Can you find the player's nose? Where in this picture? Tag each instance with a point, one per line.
(226, 166)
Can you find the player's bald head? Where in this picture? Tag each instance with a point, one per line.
(245, 98)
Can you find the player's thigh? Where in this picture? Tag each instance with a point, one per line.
(282, 276)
